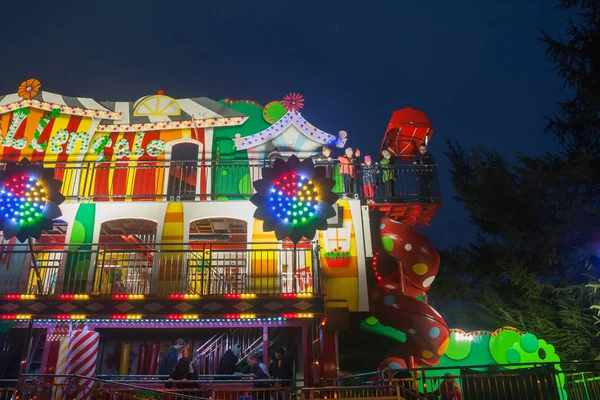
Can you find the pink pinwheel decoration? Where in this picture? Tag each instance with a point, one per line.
(293, 102)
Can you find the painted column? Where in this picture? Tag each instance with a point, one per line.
(328, 355)
(83, 354)
(50, 353)
(265, 345)
(207, 149)
(62, 364)
(308, 359)
(78, 274)
(171, 266)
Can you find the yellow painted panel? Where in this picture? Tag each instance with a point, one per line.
(264, 263)
(340, 276)
(171, 263)
(340, 288)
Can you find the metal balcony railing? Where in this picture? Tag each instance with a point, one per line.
(158, 269)
(229, 180)
(539, 381)
(543, 381)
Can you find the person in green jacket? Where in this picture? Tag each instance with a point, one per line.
(388, 175)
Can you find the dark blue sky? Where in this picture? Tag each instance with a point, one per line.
(475, 67)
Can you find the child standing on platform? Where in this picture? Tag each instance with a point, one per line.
(347, 171)
(389, 177)
(369, 179)
(323, 159)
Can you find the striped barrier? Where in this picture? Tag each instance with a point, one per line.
(83, 352)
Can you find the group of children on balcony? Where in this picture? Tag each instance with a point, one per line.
(367, 175)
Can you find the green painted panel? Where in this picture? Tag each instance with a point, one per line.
(79, 257)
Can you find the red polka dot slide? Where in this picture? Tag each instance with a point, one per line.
(394, 300)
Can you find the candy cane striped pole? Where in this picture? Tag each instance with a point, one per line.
(61, 367)
(83, 352)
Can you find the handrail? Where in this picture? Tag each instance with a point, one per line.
(159, 268)
(207, 244)
(414, 395)
(216, 180)
(261, 161)
(477, 366)
(101, 381)
(252, 347)
(580, 378)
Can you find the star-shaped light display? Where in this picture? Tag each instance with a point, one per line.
(29, 200)
(294, 199)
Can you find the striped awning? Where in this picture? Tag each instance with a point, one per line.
(199, 112)
(48, 101)
(197, 108)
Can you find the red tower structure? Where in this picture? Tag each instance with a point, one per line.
(407, 130)
(399, 300)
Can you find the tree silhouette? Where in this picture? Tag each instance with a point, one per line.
(538, 219)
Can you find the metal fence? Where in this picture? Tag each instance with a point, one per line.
(158, 269)
(540, 381)
(8, 389)
(544, 381)
(230, 180)
(403, 183)
(47, 387)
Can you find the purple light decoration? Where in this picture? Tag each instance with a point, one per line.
(165, 323)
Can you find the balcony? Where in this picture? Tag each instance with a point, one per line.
(226, 180)
(159, 270)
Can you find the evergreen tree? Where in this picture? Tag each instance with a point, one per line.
(537, 219)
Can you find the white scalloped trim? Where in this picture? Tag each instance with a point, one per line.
(291, 118)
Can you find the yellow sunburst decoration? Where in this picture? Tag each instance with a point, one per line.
(29, 88)
(157, 106)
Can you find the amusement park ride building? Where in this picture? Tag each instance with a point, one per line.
(175, 163)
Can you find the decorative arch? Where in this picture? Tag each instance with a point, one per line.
(126, 256)
(170, 144)
(185, 180)
(218, 255)
(123, 232)
(219, 232)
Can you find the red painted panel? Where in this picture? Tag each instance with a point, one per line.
(328, 357)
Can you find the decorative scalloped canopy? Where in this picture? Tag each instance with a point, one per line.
(291, 118)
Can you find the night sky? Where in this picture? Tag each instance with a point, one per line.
(476, 68)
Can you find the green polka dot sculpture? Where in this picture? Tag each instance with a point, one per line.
(507, 347)
(29, 200)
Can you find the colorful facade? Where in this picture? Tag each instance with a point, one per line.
(157, 237)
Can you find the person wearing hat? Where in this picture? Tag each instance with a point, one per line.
(170, 358)
(388, 175)
(229, 360)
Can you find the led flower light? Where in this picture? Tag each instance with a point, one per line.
(29, 88)
(293, 102)
(294, 199)
(29, 200)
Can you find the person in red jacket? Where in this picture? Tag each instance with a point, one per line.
(449, 389)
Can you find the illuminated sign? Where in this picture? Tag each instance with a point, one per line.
(63, 141)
